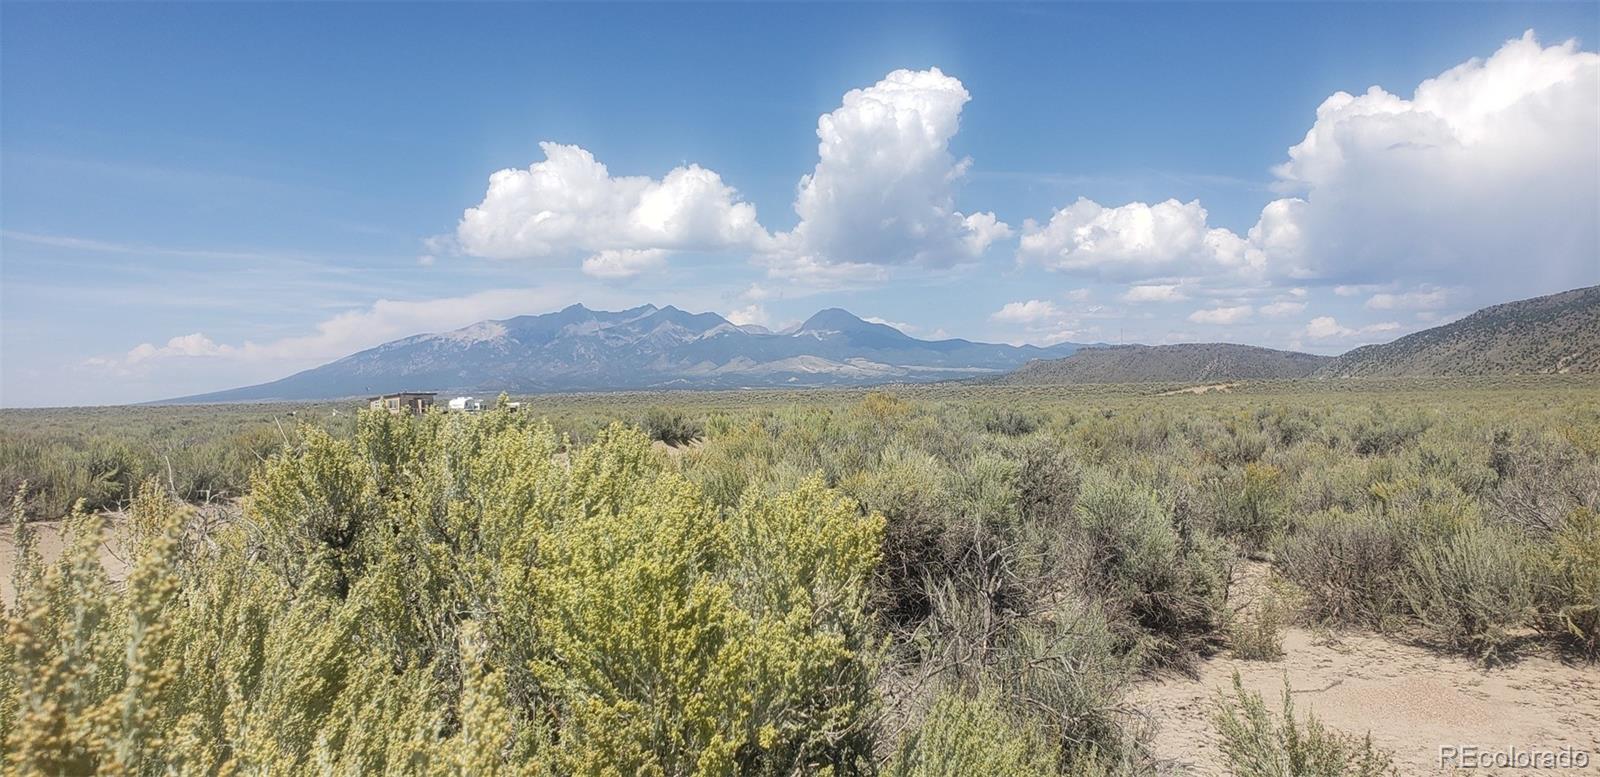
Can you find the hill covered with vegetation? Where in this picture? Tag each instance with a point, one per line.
(1557, 333)
(1188, 362)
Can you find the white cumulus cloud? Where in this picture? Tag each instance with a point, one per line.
(1490, 162)
(1031, 311)
(1329, 328)
(190, 345)
(749, 314)
(1222, 315)
(883, 190)
(1133, 241)
(569, 203)
(624, 262)
(1487, 176)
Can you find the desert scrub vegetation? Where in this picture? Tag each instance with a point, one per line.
(101, 455)
(1256, 630)
(443, 595)
(670, 426)
(1258, 743)
(902, 581)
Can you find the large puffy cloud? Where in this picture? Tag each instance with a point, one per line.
(882, 194)
(1486, 177)
(569, 203)
(1489, 173)
(883, 190)
(1489, 176)
(1133, 241)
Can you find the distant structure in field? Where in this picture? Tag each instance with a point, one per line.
(414, 402)
(466, 404)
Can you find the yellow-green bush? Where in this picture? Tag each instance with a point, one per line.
(1148, 569)
(1473, 588)
(1257, 743)
(445, 595)
(1575, 582)
(967, 734)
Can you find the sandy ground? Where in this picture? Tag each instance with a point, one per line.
(51, 542)
(1413, 700)
(1222, 387)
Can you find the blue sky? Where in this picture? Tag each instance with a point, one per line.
(194, 197)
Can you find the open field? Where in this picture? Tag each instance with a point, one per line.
(912, 580)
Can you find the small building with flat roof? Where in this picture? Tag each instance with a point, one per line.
(414, 402)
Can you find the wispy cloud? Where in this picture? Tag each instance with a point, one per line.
(357, 329)
(113, 247)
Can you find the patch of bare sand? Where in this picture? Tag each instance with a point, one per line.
(1223, 387)
(1411, 699)
(199, 520)
(51, 539)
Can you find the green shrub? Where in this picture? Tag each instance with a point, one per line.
(1350, 567)
(1257, 743)
(1048, 478)
(1473, 589)
(443, 590)
(670, 426)
(1253, 504)
(486, 595)
(1257, 633)
(971, 734)
(1009, 421)
(906, 488)
(1576, 580)
(1168, 584)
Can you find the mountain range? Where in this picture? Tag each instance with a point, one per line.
(579, 349)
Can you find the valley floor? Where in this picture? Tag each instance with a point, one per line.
(1412, 700)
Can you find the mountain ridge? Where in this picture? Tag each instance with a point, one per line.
(647, 347)
(1551, 334)
(579, 348)
(1182, 362)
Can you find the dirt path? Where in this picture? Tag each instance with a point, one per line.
(1411, 699)
(1222, 387)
